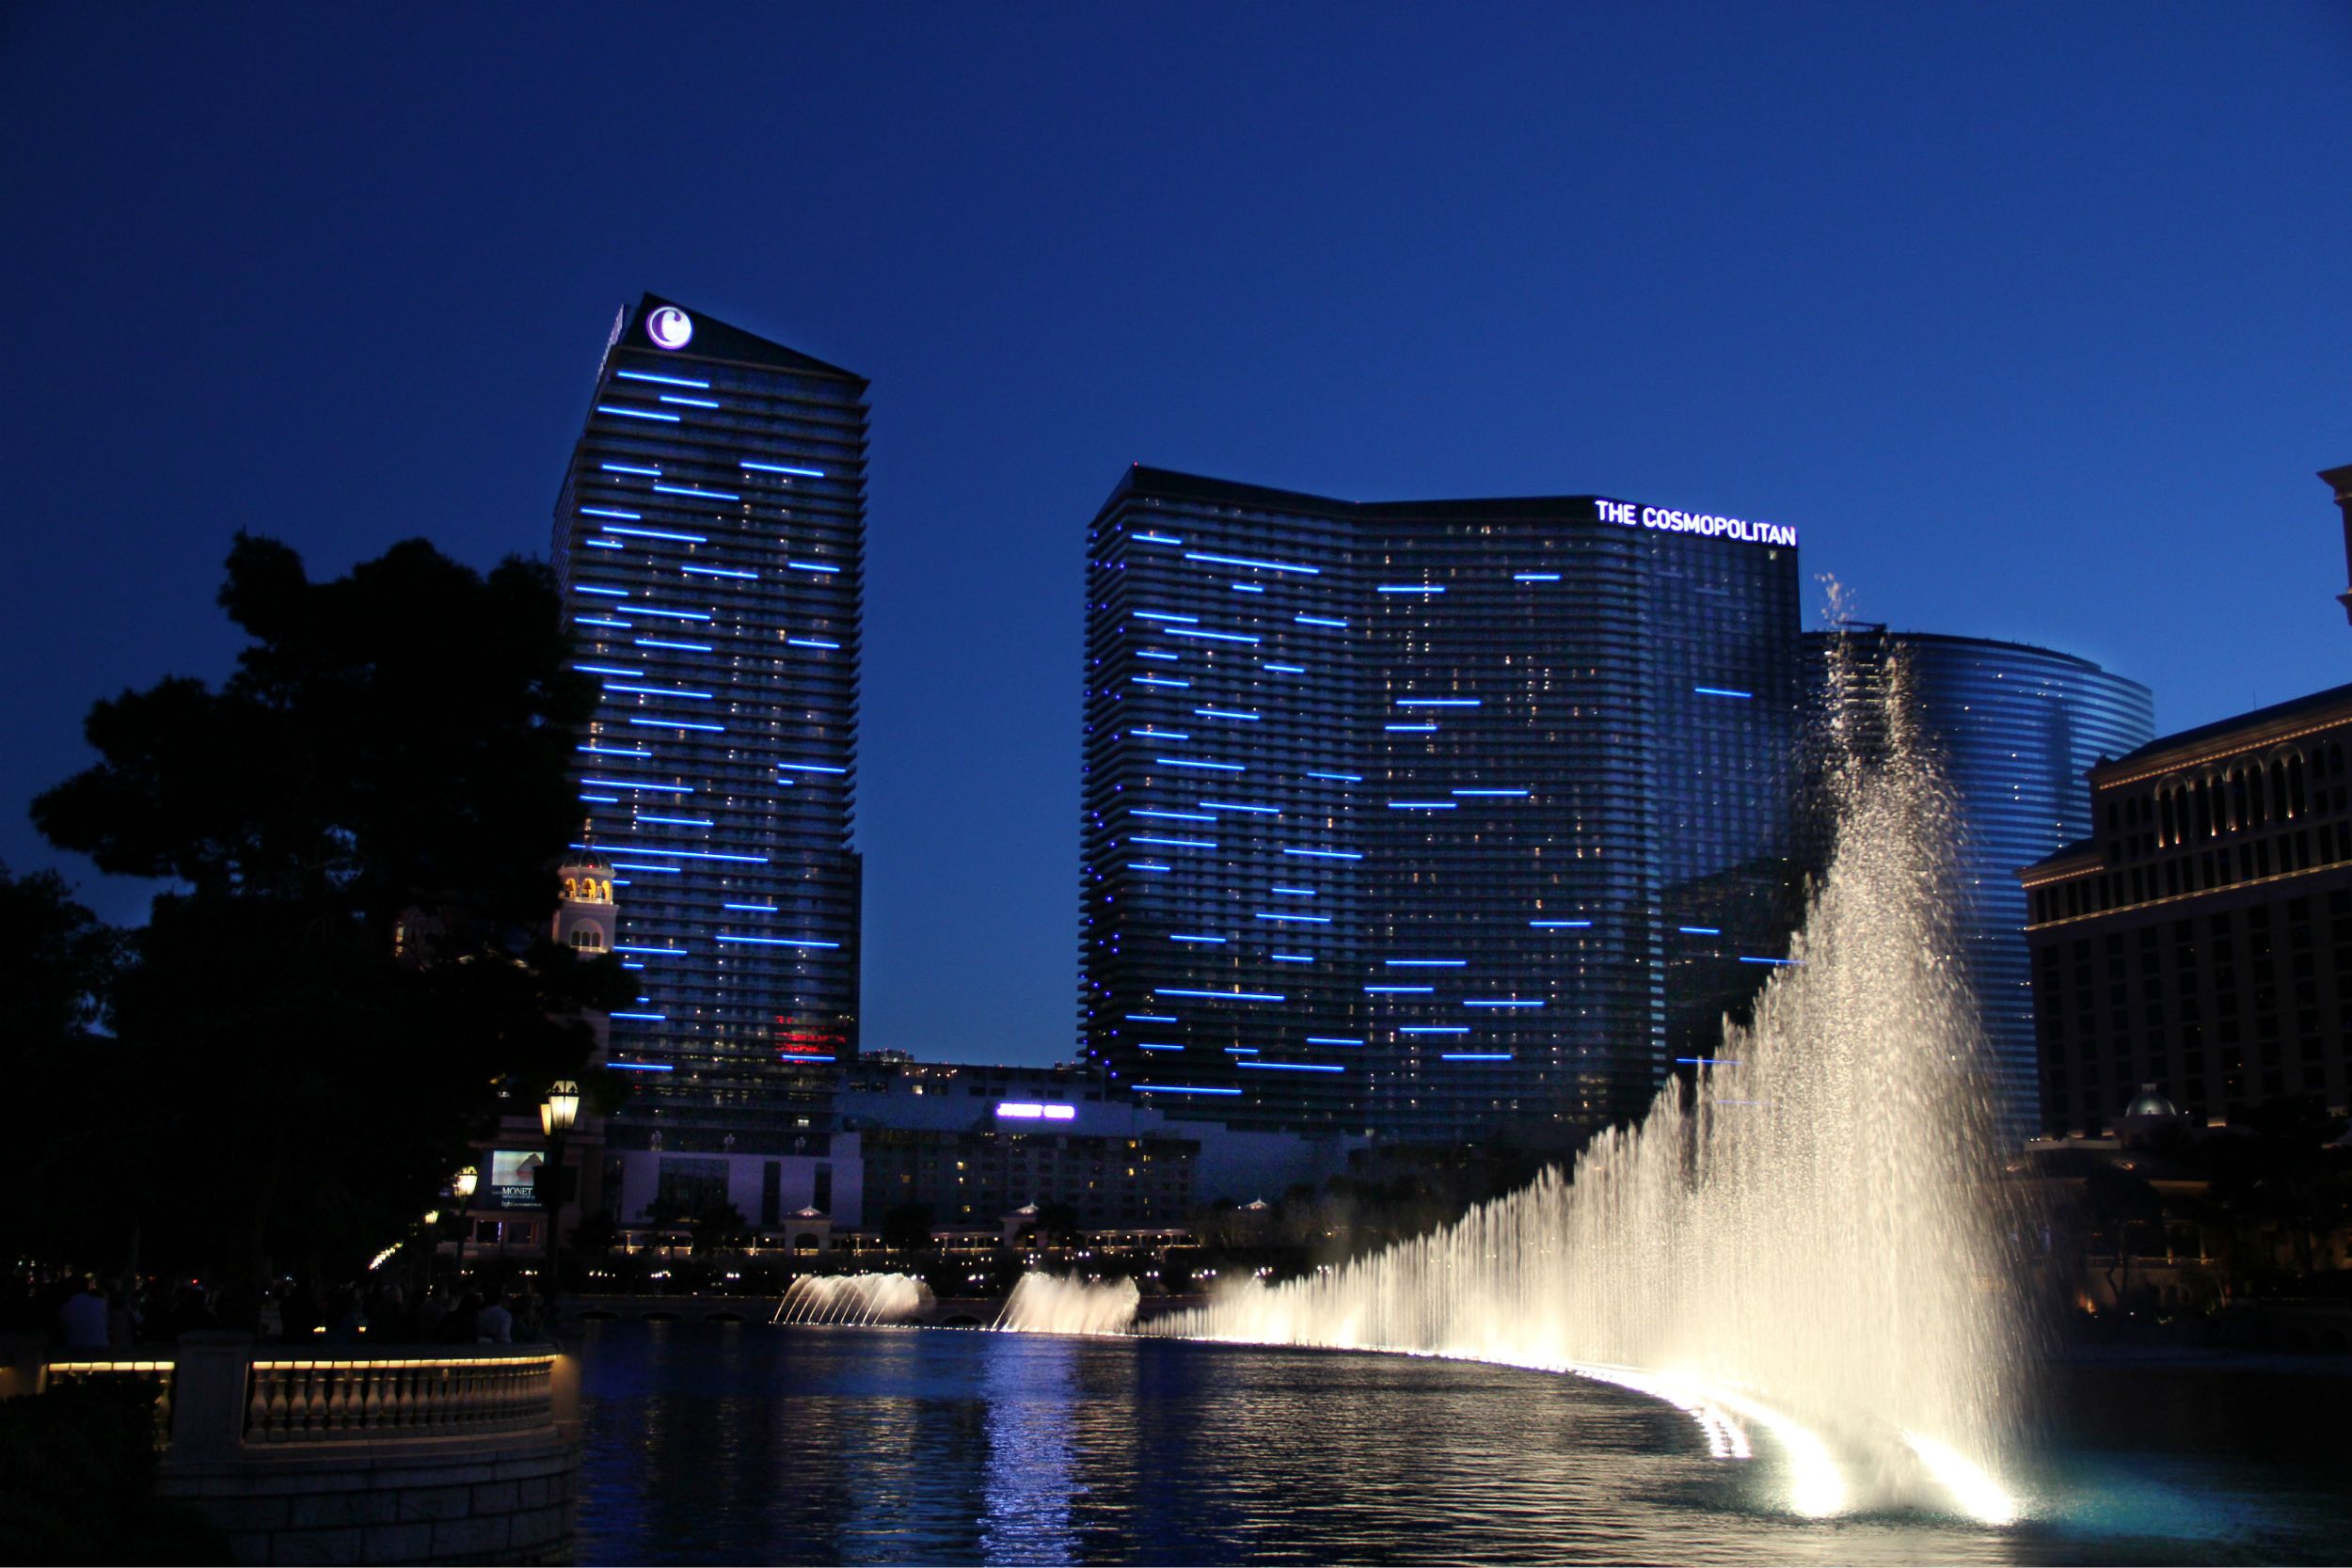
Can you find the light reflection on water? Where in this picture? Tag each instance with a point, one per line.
(745, 1443)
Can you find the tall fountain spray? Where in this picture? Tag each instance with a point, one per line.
(1807, 1243)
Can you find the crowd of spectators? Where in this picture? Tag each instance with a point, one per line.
(80, 1311)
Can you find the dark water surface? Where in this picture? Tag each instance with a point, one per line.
(741, 1443)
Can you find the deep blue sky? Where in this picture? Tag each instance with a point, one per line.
(2035, 319)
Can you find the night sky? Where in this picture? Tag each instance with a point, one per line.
(2036, 320)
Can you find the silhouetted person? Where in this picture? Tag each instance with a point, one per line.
(300, 1311)
(82, 1321)
(430, 1311)
(495, 1324)
(461, 1327)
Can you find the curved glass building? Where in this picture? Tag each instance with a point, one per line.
(2017, 727)
(1442, 818)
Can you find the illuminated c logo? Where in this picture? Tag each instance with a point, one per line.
(669, 328)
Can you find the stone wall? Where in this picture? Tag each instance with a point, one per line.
(368, 1455)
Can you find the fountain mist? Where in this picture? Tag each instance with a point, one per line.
(1053, 1304)
(854, 1300)
(1807, 1243)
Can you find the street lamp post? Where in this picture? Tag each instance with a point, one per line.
(557, 1114)
(461, 1187)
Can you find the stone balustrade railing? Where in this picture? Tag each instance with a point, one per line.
(374, 1454)
(305, 1399)
(154, 1373)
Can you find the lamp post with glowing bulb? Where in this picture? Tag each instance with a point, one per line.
(557, 1114)
(461, 1187)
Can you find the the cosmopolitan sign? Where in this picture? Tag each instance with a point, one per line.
(1697, 522)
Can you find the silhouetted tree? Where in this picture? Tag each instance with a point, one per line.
(350, 964)
(59, 965)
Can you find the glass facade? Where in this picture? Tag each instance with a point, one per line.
(1440, 819)
(2016, 728)
(711, 541)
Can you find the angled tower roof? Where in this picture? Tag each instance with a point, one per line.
(712, 339)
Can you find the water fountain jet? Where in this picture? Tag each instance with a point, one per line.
(1809, 1239)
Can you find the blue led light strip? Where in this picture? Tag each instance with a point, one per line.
(1222, 995)
(1244, 560)
(659, 534)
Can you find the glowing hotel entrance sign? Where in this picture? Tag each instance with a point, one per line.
(1696, 522)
